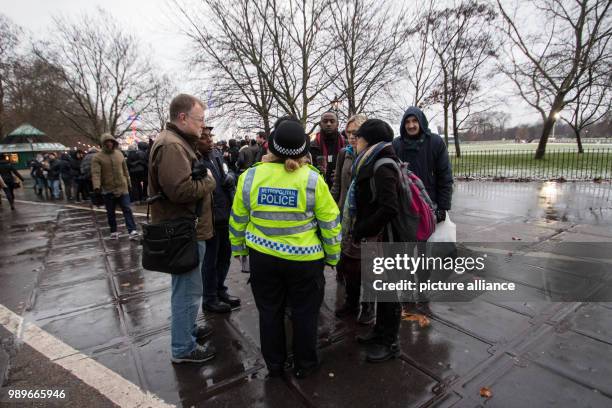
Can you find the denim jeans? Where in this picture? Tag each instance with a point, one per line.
(185, 303)
(40, 184)
(54, 185)
(110, 202)
(216, 264)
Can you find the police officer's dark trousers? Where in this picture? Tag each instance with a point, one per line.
(277, 283)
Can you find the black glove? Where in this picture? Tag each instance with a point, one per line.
(440, 215)
(229, 181)
(198, 171)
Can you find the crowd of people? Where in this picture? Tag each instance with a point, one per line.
(284, 204)
(290, 205)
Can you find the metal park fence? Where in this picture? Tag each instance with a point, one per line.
(593, 164)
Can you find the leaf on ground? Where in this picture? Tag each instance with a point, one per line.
(417, 317)
(486, 392)
(516, 239)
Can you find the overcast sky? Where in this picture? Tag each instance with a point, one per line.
(152, 20)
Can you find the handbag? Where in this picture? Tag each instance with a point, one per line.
(170, 246)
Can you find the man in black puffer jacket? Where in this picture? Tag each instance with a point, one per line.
(427, 157)
(67, 175)
(137, 166)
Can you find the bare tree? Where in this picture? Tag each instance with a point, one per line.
(368, 58)
(463, 43)
(547, 67)
(592, 101)
(10, 35)
(104, 72)
(234, 51)
(301, 84)
(33, 94)
(157, 114)
(423, 70)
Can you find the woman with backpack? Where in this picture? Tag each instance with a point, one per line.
(367, 216)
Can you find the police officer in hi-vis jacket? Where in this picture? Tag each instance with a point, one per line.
(284, 217)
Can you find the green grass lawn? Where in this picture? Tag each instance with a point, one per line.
(520, 163)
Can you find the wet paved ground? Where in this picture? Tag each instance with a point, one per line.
(59, 269)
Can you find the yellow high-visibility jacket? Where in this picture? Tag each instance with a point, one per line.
(288, 215)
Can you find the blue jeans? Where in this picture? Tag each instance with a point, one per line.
(216, 264)
(185, 303)
(54, 185)
(40, 184)
(110, 202)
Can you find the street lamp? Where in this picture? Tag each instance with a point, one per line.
(555, 117)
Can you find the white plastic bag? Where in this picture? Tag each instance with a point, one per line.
(446, 231)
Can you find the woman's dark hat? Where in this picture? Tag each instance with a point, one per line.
(289, 141)
(374, 131)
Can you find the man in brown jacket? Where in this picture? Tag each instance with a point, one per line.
(109, 175)
(171, 163)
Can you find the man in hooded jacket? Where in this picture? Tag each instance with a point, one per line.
(427, 157)
(109, 175)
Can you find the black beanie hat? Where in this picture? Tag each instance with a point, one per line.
(374, 131)
(289, 140)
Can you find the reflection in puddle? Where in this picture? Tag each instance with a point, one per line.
(549, 195)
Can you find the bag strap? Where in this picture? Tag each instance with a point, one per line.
(377, 164)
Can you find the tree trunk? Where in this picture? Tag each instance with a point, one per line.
(266, 121)
(445, 107)
(579, 141)
(1, 109)
(456, 135)
(548, 125)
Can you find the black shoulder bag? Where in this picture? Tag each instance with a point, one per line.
(170, 246)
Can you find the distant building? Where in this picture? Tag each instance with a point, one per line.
(24, 143)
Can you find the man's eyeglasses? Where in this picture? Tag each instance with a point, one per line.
(197, 119)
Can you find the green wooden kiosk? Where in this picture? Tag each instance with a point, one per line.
(24, 143)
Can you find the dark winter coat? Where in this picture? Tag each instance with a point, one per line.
(374, 214)
(342, 180)
(37, 169)
(75, 165)
(324, 154)
(137, 162)
(65, 165)
(246, 158)
(223, 195)
(54, 170)
(86, 165)
(8, 173)
(431, 164)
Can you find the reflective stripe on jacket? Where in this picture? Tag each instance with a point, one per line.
(288, 215)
